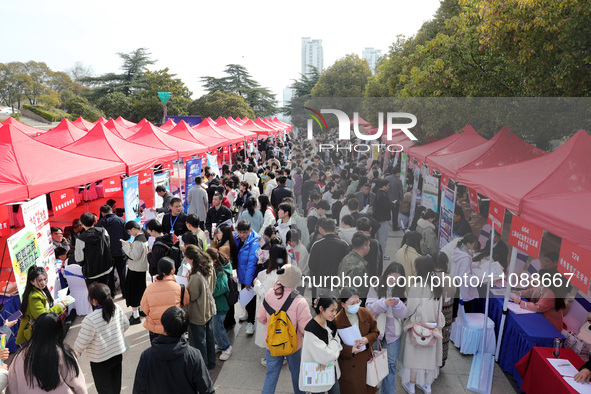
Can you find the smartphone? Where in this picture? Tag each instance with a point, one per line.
(15, 316)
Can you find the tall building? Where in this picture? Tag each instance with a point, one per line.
(312, 55)
(287, 95)
(372, 55)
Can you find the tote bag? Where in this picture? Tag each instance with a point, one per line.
(377, 366)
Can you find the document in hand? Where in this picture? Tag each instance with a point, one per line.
(349, 335)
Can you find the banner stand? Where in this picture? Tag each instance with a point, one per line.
(178, 170)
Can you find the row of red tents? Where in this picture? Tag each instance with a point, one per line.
(80, 152)
(550, 190)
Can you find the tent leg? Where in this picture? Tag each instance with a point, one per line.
(178, 170)
(230, 155)
(505, 302)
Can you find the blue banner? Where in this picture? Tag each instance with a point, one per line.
(190, 120)
(131, 198)
(446, 218)
(192, 170)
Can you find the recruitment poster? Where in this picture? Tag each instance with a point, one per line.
(162, 179)
(446, 217)
(24, 253)
(131, 198)
(192, 170)
(403, 166)
(430, 192)
(212, 161)
(63, 201)
(416, 197)
(575, 260)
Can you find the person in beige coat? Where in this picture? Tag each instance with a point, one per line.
(201, 308)
(421, 354)
(426, 228)
(322, 344)
(409, 251)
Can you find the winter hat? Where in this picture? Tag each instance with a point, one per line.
(289, 276)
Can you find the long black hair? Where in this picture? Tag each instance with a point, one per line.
(426, 270)
(412, 239)
(397, 291)
(33, 273)
(277, 257)
(227, 236)
(101, 293)
(264, 203)
(201, 261)
(165, 267)
(467, 239)
(251, 204)
(42, 354)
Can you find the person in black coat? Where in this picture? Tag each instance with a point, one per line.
(280, 192)
(217, 214)
(171, 362)
(176, 220)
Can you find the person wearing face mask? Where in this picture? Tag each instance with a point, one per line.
(462, 264)
(322, 344)
(353, 359)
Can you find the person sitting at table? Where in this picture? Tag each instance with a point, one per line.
(534, 293)
(584, 375)
(551, 303)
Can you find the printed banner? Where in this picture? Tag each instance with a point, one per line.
(212, 161)
(577, 261)
(496, 215)
(63, 201)
(164, 180)
(415, 194)
(131, 198)
(192, 170)
(145, 178)
(403, 167)
(444, 181)
(111, 186)
(168, 166)
(35, 213)
(430, 192)
(24, 253)
(446, 218)
(473, 197)
(525, 236)
(5, 220)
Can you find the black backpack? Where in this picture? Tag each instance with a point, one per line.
(233, 295)
(159, 250)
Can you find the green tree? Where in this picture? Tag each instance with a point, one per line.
(218, 104)
(239, 81)
(115, 104)
(36, 84)
(302, 89)
(146, 103)
(347, 77)
(78, 105)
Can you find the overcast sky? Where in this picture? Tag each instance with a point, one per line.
(198, 38)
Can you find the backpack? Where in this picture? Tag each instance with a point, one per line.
(159, 250)
(282, 338)
(234, 294)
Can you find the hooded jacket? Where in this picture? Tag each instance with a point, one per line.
(222, 289)
(171, 363)
(427, 230)
(93, 252)
(247, 258)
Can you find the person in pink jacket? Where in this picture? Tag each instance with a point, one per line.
(289, 278)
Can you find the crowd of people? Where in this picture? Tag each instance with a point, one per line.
(261, 225)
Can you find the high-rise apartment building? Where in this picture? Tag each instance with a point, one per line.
(372, 55)
(312, 55)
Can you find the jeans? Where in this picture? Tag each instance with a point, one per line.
(107, 375)
(202, 338)
(274, 369)
(219, 332)
(383, 234)
(389, 382)
(298, 201)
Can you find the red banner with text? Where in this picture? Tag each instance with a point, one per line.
(525, 236)
(473, 197)
(168, 166)
(5, 220)
(62, 201)
(576, 261)
(496, 215)
(111, 186)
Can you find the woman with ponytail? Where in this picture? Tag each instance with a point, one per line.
(102, 336)
(462, 264)
(161, 295)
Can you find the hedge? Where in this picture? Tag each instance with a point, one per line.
(45, 114)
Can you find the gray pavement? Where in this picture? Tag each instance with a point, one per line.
(243, 372)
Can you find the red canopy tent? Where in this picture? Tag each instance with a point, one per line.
(83, 124)
(565, 215)
(234, 122)
(168, 125)
(100, 120)
(421, 152)
(225, 124)
(118, 130)
(43, 168)
(61, 135)
(125, 123)
(287, 125)
(260, 122)
(12, 192)
(184, 131)
(102, 143)
(566, 170)
(504, 148)
(152, 136)
(208, 127)
(28, 130)
(468, 139)
(249, 125)
(138, 126)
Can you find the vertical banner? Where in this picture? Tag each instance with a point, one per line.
(111, 186)
(444, 181)
(192, 170)
(24, 253)
(403, 167)
(5, 220)
(525, 236)
(212, 161)
(162, 179)
(496, 215)
(473, 197)
(446, 218)
(131, 198)
(577, 261)
(168, 166)
(36, 218)
(415, 192)
(62, 201)
(430, 192)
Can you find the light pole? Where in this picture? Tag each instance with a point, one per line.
(164, 97)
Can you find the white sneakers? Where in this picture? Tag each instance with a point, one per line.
(244, 317)
(409, 387)
(250, 329)
(226, 354)
(425, 387)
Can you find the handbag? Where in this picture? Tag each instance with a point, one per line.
(377, 366)
(422, 334)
